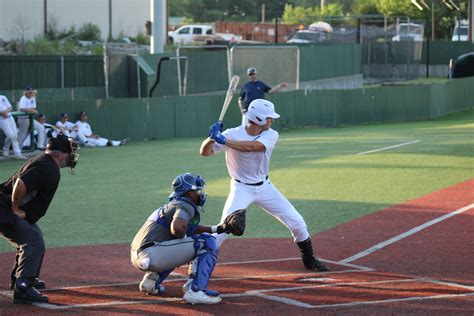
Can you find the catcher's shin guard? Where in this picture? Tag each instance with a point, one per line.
(309, 261)
(205, 261)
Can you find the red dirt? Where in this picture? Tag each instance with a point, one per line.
(442, 251)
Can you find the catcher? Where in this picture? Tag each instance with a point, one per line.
(172, 236)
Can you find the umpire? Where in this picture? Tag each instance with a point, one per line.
(24, 199)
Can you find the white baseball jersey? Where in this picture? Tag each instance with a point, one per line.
(248, 167)
(250, 184)
(84, 128)
(27, 103)
(67, 127)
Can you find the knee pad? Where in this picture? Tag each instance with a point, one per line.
(205, 243)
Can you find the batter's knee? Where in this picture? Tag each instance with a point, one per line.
(298, 229)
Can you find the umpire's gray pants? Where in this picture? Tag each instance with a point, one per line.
(164, 255)
(28, 240)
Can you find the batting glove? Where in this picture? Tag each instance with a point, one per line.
(216, 127)
(218, 137)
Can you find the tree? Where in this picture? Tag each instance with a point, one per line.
(361, 7)
(302, 15)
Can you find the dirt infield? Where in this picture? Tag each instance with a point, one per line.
(411, 258)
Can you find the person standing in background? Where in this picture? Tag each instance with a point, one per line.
(254, 89)
(8, 125)
(28, 104)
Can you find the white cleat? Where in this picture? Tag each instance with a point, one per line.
(200, 297)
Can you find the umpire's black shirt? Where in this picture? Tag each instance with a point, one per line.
(41, 177)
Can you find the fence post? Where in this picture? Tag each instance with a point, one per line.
(62, 72)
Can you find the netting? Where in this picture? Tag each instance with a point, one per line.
(274, 64)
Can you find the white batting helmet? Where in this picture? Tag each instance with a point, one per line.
(259, 110)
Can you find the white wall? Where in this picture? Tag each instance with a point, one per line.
(26, 17)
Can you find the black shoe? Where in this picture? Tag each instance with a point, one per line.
(29, 295)
(124, 141)
(315, 264)
(37, 283)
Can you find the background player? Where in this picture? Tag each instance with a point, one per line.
(172, 236)
(65, 127)
(254, 89)
(248, 150)
(28, 104)
(8, 126)
(89, 139)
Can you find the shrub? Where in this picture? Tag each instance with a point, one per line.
(89, 32)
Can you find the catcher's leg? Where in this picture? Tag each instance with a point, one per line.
(160, 260)
(201, 271)
(152, 282)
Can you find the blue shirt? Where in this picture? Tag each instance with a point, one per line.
(253, 90)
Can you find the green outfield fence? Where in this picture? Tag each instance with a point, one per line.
(442, 51)
(51, 71)
(190, 116)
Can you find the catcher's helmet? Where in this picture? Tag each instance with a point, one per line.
(186, 182)
(259, 110)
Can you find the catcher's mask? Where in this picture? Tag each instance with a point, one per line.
(66, 145)
(186, 182)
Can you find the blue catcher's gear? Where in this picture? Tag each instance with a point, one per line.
(202, 266)
(186, 182)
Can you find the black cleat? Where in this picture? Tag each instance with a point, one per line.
(315, 264)
(29, 295)
(37, 283)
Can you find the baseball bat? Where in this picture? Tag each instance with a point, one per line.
(228, 97)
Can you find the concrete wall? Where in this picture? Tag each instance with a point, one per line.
(25, 18)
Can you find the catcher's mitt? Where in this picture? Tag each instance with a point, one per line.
(233, 224)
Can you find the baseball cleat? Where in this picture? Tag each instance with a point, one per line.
(37, 283)
(200, 297)
(27, 294)
(149, 285)
(315, 264)
(187, 286)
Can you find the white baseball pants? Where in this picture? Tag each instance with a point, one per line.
(24, 123)
(270, 200)
(8, 126)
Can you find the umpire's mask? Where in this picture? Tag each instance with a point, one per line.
(66, 145)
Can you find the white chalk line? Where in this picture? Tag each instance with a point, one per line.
(394, 300)
(262, 294)
(357, 154)
(389, 147)
(182, 277)
(405, 234)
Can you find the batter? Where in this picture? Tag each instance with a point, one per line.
(248, 150)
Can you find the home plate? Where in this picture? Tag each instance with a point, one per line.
(318, 280)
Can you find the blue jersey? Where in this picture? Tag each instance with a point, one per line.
(253, 90)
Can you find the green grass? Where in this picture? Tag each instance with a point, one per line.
(115, 189)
